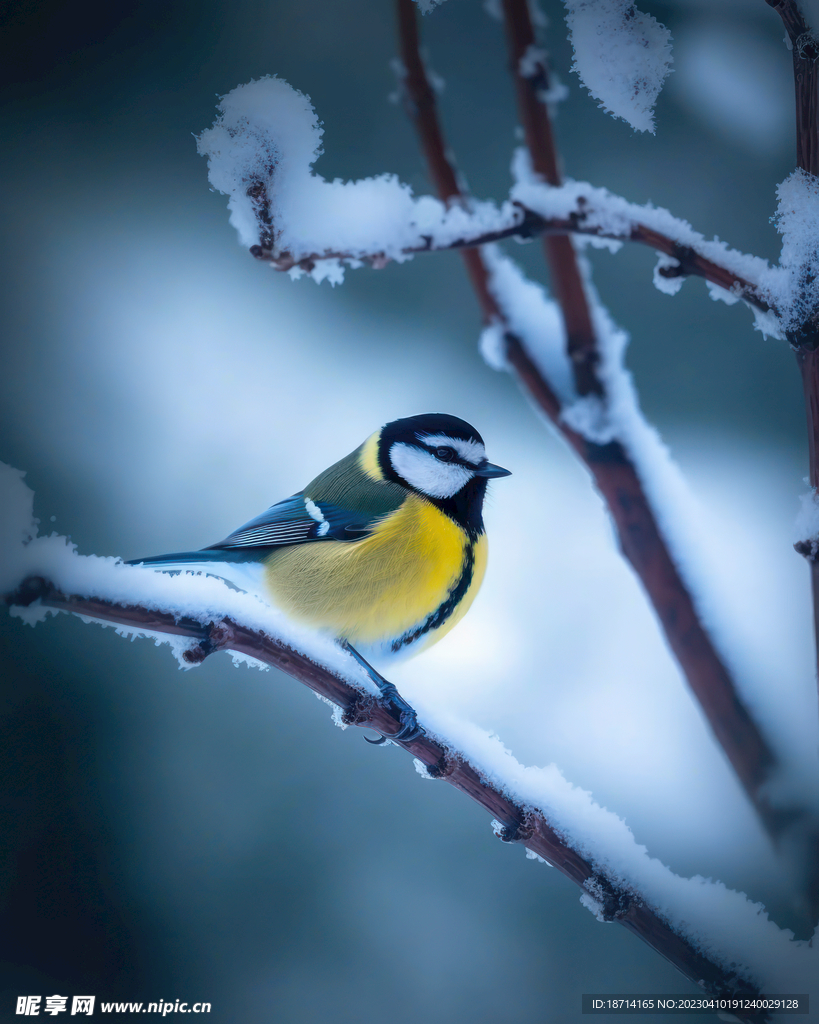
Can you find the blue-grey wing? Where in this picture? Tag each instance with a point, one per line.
(299, 520)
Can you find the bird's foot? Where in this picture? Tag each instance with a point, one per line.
(390, 697)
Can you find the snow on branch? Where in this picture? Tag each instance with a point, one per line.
(261, 151)
(797, 218)
(716, 937)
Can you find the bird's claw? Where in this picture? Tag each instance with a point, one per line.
(410, 729)
(390, 697)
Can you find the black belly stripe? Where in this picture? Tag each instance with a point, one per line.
(444, 610)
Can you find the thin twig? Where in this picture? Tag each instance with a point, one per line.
(519, 825)
(616, 477)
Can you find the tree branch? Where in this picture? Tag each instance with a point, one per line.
(519, 825)
(805, 51)
(805, 340)
(526, 224)
(531, 76)
(614, 474)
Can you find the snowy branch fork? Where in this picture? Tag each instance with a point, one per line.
(614, 474)
(520, 825)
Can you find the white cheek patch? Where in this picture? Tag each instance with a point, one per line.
(425, 473)
(469, 451)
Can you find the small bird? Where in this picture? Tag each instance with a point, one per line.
(385, 549)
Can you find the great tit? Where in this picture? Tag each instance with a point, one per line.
(385, 549)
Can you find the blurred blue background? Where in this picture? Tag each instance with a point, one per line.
(210, 835)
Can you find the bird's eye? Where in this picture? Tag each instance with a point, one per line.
(445, 454)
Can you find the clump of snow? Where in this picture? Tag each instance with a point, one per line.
(621, 55)
(532, 65)
(590, 417)
(556, 93)
(533, 317)
(806, 527)
(593, 906)
(337, 715)
(719, 294)
(532, 62)
(766, 322)
(263, 146)
(593, 899)
(492, 346)
(667, 285)
(238, 658)
(426, 6)
(325, 270)
(267, 133)
(797, 217)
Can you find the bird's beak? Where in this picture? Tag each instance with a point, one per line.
(488, 470)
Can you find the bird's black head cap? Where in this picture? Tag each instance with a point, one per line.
(442, 458)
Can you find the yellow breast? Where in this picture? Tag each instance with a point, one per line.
(375, 590)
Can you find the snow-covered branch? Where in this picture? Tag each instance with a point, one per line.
(575, 208)
(714, 936)
(261, 152)
(529, 72)
(597, 411)
(798, 218)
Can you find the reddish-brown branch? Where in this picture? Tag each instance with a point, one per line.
(419, 101)
(806, 80)
(530, 76)
(615, 476)
(643, 545)
(519, 826)
(805, 50)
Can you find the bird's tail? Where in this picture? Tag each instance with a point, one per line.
(180, 559)
(242, 568)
